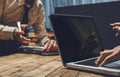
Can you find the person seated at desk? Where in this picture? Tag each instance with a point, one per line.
(11, 11)
(107, 55)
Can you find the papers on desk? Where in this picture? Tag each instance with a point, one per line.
(32, 49)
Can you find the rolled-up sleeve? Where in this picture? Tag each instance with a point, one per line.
(6, 32)
(39, 26)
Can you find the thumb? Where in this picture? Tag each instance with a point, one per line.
(24, 26)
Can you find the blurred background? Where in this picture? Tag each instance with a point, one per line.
(50, 6)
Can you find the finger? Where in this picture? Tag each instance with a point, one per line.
(45, 46)
(115, 24)
(25, 40)
(102, 56)
(117, 28)
(55, 46)
(114, 28)
(105, 61)
(19, 33)
(50, 46)
(117, 34)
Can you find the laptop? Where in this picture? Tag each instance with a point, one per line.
(79, 44)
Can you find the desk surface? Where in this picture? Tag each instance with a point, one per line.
(33, 65)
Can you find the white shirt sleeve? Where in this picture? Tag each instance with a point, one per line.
(6, 32)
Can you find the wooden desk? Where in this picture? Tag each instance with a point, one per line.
(33, 65)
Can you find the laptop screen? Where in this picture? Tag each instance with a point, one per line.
(76, 37)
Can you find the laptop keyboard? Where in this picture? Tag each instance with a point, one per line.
(115, 65)
(91, 62)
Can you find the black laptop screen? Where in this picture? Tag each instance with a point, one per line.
(76, 37)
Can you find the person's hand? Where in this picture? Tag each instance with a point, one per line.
(116, 26)
(107, 55)
(50, 45)
(18, 35)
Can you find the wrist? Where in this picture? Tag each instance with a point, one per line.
(44, 41)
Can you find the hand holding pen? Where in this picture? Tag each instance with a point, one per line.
(19, 32)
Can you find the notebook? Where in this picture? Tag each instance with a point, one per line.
(38, 50)
(79, 44)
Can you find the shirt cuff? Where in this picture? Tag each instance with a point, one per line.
(7, 33)
(44, 40)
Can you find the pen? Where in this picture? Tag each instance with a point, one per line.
(19, 27)
(111, 24)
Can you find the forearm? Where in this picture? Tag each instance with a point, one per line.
(39, 26)
(116, 48)
(6, 32)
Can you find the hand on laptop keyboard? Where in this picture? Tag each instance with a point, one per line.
(107, 55)
(50, 45)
